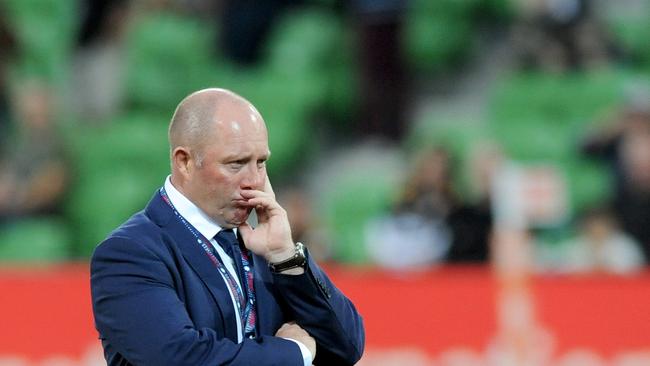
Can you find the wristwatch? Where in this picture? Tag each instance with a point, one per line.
(297, 260)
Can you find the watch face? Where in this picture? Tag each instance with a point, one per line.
(300, 248)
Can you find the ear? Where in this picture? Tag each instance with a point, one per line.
(182, 160)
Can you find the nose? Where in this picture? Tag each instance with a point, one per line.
(253, 177)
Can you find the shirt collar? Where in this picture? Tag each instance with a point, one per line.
(192, 213)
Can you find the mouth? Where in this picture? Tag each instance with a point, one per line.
(240, 202)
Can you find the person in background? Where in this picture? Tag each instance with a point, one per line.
(382, 68)
(188, 281)
(34, 173)
(471, 221)
(98, 59)
(9, 48)
(601, 246)
(244, 27)
(561, 35)
(416, 233)
(624, 144)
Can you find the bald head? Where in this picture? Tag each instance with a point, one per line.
(219, 148)
(202, 115)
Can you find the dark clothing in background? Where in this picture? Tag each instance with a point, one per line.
(8, 49)
(382, 68)
(245, 26)
(630, 204)
(470, 226)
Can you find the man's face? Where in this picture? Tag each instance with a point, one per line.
(233, 160)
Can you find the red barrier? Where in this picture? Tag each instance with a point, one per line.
(610, 314)
(429, 310)
(46, 314)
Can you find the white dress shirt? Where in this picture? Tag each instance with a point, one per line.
(208, 228)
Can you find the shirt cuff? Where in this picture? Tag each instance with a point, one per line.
(307, 357)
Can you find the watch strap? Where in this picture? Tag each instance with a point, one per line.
(297, 260)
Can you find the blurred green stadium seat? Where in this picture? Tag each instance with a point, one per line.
(541, 118)
(118, 167)
(303, 41)
(169, 56)
(350, 200)
(341, 94)
(567, 100)
(310, 54)
(438, 34)
(631, 31)
(455, 133)
(534, 139)
(590, 183)
(134, 139)
(103, 202)
(34, 240)
(45, 30)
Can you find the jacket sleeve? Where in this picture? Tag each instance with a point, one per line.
(138, 312)
(325, 313)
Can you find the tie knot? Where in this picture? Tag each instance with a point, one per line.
(227, 240)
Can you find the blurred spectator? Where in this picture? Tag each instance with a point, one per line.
(625, 145)
(34, 174)
(471, 222)
(601, 246)
(429, 222)
(428, 190)
(416, 234)
(560, 35)
(98, 69)
(8, 48)
(245, 26)
(304, 227)
(384, 90)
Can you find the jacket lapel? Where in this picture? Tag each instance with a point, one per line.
(194, 254)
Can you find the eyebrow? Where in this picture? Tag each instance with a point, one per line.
(236, 157)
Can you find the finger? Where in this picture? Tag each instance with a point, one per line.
(288, 325)
(268, 188)
(265, 206)
(247, 233)
(251, 193)
(262, 214)
(266, 202)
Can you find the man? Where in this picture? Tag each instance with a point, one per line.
(188, 281)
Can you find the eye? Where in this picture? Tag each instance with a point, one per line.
(261, 163)
(238, 164)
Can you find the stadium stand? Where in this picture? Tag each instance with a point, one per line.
(535, 116)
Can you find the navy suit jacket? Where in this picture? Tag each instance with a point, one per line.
(158, 300)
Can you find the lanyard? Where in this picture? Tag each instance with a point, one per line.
(245, 308)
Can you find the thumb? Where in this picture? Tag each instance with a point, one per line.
(247, 234)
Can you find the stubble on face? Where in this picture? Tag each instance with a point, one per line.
(229, 162)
